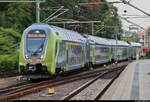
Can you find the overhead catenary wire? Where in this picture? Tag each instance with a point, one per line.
(45, 20)
(128, 3)
(132, 22)
(57, 15)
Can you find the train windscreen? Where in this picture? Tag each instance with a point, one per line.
(35, 41)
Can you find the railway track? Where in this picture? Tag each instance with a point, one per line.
(24, 89)
(85, 91)
(13, 87)
(9, 74)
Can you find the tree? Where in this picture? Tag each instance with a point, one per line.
(17, 16)
(9, 41)
(133, 38)
(97, 12)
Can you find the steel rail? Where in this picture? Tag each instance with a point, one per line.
(33, 89)
(42, 85)
(14, 85)
(77, 91)
(108, 85)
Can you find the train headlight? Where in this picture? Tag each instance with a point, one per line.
(42, 56)
(26, 56)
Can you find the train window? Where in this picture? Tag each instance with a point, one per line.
(62, 54)
(35, 44)
(101, 52)
(75, 54)
(35, 40)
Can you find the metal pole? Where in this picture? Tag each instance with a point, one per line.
(116, 33)
(38, 11)
(92, 28)
(64, 25)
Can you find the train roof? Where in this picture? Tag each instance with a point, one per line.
(135, 44)
(119, 42)
(112, 41)
(43, 26)
(98, 40)
(69, 35)
(64, 34)
(122, 43)
(105, 41)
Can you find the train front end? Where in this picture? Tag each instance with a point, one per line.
(37, 52)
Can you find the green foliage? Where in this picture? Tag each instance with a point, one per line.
(17, 15)
(20, 15)
(133, 38)
(8, 55)
(8, 39)
(99, 12)
(148, 54)
(8, 62)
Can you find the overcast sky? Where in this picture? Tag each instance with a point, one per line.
(142, 4)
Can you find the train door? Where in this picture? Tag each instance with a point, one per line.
(61, 59)
(110, 53)
(87, 53)
(75, 56)
(67, 59)
(92, 54)
(115, 53)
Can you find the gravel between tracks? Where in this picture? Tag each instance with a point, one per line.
(92, 91)
(60, 91)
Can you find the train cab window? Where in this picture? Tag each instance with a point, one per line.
(36, 40)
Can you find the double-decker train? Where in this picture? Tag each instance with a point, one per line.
(46, 50)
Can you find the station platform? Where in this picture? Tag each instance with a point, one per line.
(132, 84)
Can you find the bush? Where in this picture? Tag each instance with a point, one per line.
(9, 41)
(8, 62)
(148, 54)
